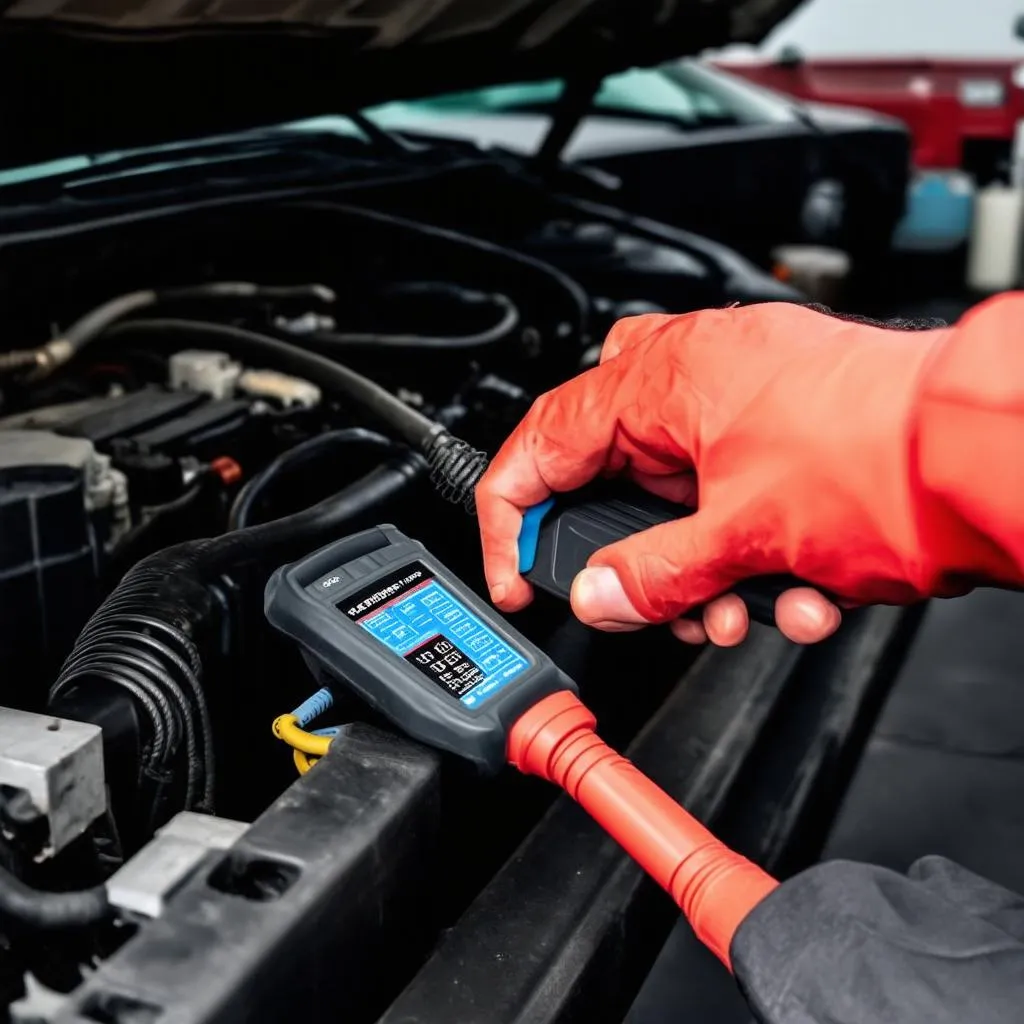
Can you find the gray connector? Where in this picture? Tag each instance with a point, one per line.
(59, 765)
(144, 884)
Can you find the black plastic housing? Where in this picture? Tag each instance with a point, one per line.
(583, 522)
(48, 574)
(310, 915)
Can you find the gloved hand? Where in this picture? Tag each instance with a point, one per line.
(812, 440)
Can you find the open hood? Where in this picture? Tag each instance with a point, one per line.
(84, 76)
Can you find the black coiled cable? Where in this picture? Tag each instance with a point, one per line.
(134, 644)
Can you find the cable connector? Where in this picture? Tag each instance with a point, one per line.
(455, 468)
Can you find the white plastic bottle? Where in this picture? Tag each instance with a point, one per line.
(994, 254)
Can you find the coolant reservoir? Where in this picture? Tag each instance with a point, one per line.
(994, 256)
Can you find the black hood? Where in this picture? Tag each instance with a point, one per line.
(84, 76)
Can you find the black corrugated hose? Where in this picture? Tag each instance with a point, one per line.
(145, 638)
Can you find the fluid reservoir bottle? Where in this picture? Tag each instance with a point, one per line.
(994, 256)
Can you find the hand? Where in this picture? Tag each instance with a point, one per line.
(795, 428)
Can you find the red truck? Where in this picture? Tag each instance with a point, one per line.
(962, 113)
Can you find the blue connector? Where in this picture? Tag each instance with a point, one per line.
(313, 707)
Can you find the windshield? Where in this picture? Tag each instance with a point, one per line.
(152, 158)
(683, 93)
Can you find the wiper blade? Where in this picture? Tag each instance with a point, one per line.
(257, 142)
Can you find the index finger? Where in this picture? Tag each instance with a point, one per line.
(564, 441)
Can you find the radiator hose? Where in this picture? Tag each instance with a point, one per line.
(35, 910)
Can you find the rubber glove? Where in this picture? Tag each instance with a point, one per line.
(883, 466)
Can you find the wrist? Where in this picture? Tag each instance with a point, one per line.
(967, 455)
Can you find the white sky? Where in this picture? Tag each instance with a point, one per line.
(942, 28)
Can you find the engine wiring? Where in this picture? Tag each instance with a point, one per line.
(307, 746)
(149, 638)
(297, 460)
(44, 359)
(455, 465)
(505, 328)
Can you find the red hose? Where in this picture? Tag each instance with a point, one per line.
(713, 886)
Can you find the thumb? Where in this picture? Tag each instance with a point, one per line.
(660, 573)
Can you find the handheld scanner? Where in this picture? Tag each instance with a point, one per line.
(377, 611)
(559, 535)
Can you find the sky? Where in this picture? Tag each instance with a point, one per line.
(969, 28)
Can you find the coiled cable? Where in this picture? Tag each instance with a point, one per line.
(127, 643)
(455, 469)
(307, 747)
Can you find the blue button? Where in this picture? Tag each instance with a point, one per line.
(529, 533)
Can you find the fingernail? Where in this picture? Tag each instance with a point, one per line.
(819, 616)
(598, 596)
(499, 592)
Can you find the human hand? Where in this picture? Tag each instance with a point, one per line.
(793, 425)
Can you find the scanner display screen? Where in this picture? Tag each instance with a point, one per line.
(416, 617)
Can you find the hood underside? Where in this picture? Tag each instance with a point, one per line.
(83, 76)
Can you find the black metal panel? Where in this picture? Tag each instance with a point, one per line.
(316, 913)
(794, 783)
(570, 926)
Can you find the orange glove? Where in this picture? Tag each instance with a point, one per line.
(883, 466)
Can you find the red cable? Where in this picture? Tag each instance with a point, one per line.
(713, 886)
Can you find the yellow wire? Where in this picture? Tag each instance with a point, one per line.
(286, 728)
(303, 761)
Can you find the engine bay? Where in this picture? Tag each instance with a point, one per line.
(150, 484)
(184, 408)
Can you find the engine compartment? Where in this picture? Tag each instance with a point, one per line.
(167, 427)
(175, 423)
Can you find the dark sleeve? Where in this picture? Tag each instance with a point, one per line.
(846, 943)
